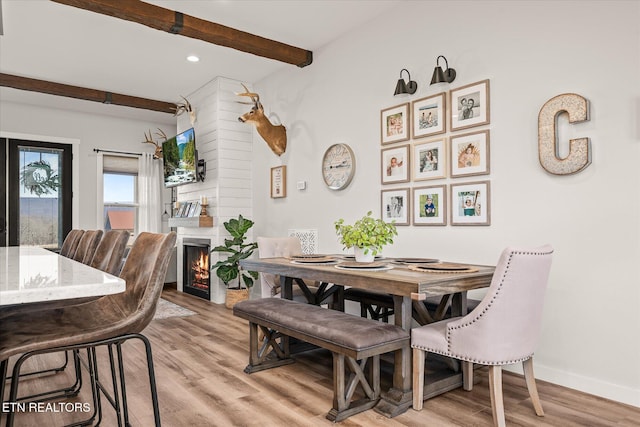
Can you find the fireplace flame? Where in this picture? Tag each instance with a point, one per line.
(200, 269)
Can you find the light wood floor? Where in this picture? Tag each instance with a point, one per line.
(199, 362)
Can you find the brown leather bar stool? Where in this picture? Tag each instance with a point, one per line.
(110, 251)
(87, 246)
(107, 321)
(70, 243)
(108, 258)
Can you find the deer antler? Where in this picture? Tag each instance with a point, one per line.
(183, 107)
(149, 140)
(254, 96)
(161, 134)
(186, 108)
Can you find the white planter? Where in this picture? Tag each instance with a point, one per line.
(361, 256)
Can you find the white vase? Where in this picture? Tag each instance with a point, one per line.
(361, 256)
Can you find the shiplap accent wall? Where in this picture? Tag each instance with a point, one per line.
(226, 146)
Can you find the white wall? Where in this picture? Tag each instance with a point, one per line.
(531, 51)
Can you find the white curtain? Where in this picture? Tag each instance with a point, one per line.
(149, 194)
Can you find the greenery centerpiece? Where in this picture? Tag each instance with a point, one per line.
(367, 236)
(237, 280)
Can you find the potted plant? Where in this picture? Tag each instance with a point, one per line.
(367, 236)
(237, 280)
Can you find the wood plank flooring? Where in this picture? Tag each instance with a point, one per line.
(199, 362)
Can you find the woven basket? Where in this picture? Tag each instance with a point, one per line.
(235, 296)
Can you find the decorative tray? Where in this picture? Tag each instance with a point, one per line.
(443, 268)
(364, 266)
(308, 256)
(415, 260)
(352, 257)
(314, 260)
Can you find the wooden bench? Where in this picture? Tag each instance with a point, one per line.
(349, 338)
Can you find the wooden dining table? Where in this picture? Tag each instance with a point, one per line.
(31, 275)
(407, 285)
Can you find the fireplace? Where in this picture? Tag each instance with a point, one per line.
(195, 267)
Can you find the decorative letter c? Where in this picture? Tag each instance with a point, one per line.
(579, 149)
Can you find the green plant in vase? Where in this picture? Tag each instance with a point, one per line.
(367, 235)
(229, 270)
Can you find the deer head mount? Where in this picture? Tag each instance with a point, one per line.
(274, 135)
(148, 139)
(185, 107)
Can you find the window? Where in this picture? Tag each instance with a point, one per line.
(120, 200)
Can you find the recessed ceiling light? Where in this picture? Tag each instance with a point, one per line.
(193, 58)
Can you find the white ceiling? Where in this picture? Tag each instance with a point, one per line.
(64, 44)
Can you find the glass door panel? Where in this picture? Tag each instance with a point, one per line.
(3, 192)
(39, 193)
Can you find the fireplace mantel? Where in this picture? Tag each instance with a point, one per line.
(194, 222)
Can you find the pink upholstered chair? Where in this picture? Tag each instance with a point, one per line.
(273, 247)
(503, 329)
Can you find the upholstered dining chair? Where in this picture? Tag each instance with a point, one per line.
(87, 246)
(273, 247)
(109, 254)
(503, 329)
(107, 321)
(70, 243)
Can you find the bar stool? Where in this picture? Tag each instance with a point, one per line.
(87, 246)
(108, 256)
(70, 243)
(107, 321)
(110, 251)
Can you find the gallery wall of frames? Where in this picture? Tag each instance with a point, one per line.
(440, 146)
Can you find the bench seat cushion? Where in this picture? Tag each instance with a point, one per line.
(332, 326)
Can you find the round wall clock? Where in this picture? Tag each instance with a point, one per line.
(338, 166)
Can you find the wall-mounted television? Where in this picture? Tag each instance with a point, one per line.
(180, 159)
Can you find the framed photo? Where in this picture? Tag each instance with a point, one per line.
(278, 182)
(429, 116)
(469, 105)
(429, 205)
(394, 124)
(470, 154)
(429, 160)
(395, 164)
(470, 203)
(395, 206)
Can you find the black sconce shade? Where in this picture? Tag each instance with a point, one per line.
(440, 76)
(405, 88)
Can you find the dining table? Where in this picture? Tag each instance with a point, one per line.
(408, 281)
(32, 275)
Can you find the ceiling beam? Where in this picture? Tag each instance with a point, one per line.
(59, 89)
(178, 23)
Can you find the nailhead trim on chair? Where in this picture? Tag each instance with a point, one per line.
(468, 359)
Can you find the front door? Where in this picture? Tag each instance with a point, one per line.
(3, 192)
(37, 192)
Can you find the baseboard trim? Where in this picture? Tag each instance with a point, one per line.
(618, 393)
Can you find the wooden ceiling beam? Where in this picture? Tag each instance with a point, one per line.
(178, 23)
(59, 89)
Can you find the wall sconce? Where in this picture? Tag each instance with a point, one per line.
(404, 88)
(201, 169)
(440, 76)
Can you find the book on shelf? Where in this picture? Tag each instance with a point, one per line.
(192, 209)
